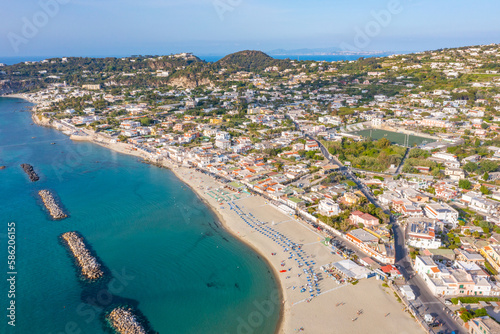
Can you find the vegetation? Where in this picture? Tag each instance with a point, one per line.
(474, 300)
(369, 155)
(250, 61)
(485, 166)
(465, 184)
(467, 315)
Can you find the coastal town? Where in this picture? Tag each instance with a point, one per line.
(391, 165)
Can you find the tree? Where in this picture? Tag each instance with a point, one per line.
(383, 143)
(488, 166)
(122, 138)
(145, 121)
(464, 184)
(485, 190)
(470, 167)
(486, 176)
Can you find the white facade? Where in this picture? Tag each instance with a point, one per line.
(222, 135)
(442, 212)
(223, 144)
(445, 156)
(328, 207)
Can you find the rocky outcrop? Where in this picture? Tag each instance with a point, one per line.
(50, 203)
(185, 82)
(124, 321)
(28, 169)
(13, 87)
(89, 266)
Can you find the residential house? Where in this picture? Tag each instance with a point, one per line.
(421, 233)
(443, 212)
(358, 217)
(328, 207)
(483, 325)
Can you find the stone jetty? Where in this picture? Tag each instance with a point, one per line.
(50, 203)
(28, 169)
(124, 321)
(90, 267)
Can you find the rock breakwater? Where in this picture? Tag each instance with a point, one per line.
(90, 267)
(50, 203)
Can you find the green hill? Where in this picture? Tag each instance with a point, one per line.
(250, 60)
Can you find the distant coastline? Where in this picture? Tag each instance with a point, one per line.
(212, 58)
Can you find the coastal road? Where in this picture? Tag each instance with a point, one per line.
(426, 301)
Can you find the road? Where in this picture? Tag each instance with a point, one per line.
(402, 161)
(427, 302)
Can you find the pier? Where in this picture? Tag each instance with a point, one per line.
(90, 267)
(124, 321)
(50, 203)
(28, 169)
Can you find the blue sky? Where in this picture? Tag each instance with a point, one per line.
(126, 27)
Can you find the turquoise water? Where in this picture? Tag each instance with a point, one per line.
(210, 57)
(394, 137)
(166, 250)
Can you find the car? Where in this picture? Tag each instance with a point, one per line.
(448, 302)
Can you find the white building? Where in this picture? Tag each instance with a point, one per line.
(328, 207)
(223, 144)
(222, 135)
(443, 212)
(421, 233)
(484, 205)
(445, 156)
(407, 291)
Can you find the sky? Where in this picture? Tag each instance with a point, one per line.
(156, 27)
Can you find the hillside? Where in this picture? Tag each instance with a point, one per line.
(250, 60)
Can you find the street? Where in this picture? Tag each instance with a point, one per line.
(426, 302)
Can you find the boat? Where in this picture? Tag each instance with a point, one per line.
(52, 143)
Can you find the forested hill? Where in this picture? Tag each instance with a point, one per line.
(252, 61)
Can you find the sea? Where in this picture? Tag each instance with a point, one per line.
(214, 58)
(165, 253)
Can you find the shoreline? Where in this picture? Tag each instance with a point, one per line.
(280, 325)
(317, 316)
(115, 147)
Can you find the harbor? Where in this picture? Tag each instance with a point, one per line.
(50, 203)
(124, 321)
(28, 169)
(90, 267)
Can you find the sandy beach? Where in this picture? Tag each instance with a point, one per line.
(380, 309)
(337, 307)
